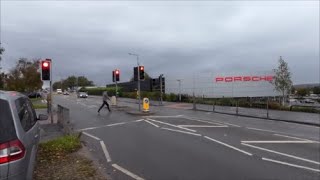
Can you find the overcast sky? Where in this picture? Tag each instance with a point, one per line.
(93, 38)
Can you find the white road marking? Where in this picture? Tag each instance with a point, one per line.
(283, 154)
(289, 164)
(163, 116)
(115, 124)
(172, 125)
(151, 123)
(214, 122)
(94, 137)
(276, 142)
(127, 172)
(105, 151)
(296, 138)
(200, 126)
(229, 146)
(185, 132)
(109, 125)
(261, 130)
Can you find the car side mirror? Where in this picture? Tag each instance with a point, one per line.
(42, 117)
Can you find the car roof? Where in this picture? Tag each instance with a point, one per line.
(10, 95)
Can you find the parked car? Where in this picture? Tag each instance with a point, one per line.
(34, 95)
(19, 136)
(65, 93)
(82, 95)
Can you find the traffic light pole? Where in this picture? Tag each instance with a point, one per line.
(139, 93)
(51, 91)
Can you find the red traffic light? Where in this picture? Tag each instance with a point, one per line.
(117, 72)
(141, 68)
(45, 64)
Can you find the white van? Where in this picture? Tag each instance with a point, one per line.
(59, 91)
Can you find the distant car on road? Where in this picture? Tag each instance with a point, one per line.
(59, 91)
(65, 93)
(82, 95)
(19, 136)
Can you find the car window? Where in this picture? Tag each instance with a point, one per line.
(27, 118)
(7, 129)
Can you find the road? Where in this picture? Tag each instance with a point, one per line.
(176, 143)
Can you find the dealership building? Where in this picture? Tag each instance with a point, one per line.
(217, 85)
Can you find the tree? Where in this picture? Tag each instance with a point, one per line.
(71, 82)
(1, 52)
(302, 92)
(25, 76)
(316, 90)
(282, 79)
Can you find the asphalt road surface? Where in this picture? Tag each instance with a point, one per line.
(176, 143)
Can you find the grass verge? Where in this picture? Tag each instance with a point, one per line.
(58, 159)
(40, 106)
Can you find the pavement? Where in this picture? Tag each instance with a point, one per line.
(178, 143)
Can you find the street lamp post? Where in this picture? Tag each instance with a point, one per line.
(139, 94)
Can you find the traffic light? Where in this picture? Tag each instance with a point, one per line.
(45, 70)
(116, 75)
(141, 70)
(117, 72)
(113, 77)
(135, 73)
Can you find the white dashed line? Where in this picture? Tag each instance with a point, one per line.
(172, 125)
(136, 177)
(105, 151)
(185, 132)
(283, 154)
(289, 164)
(151, 123)
(229, 146)
(94, 137)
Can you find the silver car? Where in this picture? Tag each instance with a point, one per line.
(19, 136)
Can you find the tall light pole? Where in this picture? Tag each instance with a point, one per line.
(179, 80)
(139, 94)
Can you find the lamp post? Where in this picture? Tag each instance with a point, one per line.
(139, 94)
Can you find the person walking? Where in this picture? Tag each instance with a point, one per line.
(105, 97)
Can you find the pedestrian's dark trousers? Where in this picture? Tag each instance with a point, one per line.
(104, 103)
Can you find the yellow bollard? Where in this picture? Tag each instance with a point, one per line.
(146, 105)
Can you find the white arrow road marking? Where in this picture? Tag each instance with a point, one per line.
(292, 165)
(276, 142)
(200, 126)
(229, 146)
(295, 138)
(185, 132)
(172, 125)
(283, 154)
(151, 123)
